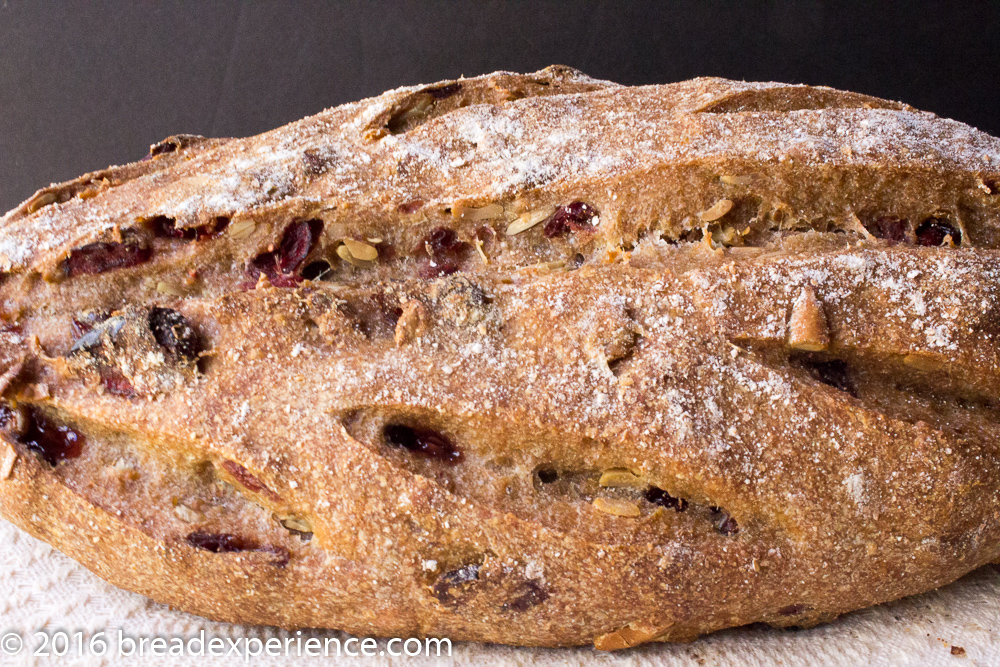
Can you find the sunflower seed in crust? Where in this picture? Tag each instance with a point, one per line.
(617, 507)
(807, 327)
(719, 209)
(360, 250)
(529, 219)
(7, 460)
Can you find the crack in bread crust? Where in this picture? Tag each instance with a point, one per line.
(532, 359)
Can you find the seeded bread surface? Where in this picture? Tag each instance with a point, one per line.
(529, 359)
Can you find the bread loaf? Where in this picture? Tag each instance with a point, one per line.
(531, 359)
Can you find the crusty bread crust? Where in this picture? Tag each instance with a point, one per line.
(530, 359)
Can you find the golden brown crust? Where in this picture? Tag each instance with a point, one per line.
(530, 359)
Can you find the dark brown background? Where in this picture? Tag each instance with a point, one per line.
(87, 84)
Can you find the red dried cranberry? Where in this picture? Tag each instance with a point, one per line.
(890, 228)
(386, 252)
(173, 332)
(724, 523)
(297, 242)
(422, 441)
(529, 594)
(219, 543)
(442, 242)
(486, 235)
(164, 227)
(411, 206)
(658, 496)
(444, 251)
(442, 588)
(431, 269)
(248, 480)
(96, 258)
(116, 383)
(933, 231)
(54, 442)
(444, 92)
(572, 217)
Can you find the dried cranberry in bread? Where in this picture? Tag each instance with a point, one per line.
(532, 359)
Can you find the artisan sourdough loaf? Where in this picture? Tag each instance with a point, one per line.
(533, 359)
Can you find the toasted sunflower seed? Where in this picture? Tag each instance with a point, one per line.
(361, 250)
(616, 507)
(41, 200)
(621, 478)
(242, 229)
(345, 254)
(633, 634)
(7, 461)
(169, 288)
(296, 523)
(186, 514)
(807, 328)
(720, 208)
(529, 219)
(485, 213)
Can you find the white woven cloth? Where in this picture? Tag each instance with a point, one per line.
(42, 590)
